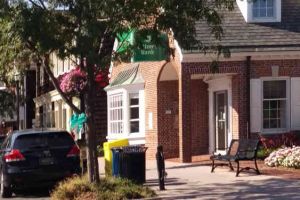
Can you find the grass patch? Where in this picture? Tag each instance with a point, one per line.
(79, 188)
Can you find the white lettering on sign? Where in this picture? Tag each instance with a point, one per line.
(147, 52)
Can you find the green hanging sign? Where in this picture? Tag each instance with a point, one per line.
(149, 51)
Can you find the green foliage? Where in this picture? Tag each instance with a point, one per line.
(7, 106)
(262, 152)
(108, 188)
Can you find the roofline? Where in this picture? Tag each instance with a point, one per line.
(253, 48)
(241, 56)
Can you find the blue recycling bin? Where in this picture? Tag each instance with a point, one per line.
(116, 161)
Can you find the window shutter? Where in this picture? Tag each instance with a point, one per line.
(295, 103)
(255, 105)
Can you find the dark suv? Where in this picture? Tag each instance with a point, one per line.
(35, 158)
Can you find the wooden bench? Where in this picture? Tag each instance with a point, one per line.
(239, 150)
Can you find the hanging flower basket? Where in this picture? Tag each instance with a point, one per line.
(74, 82)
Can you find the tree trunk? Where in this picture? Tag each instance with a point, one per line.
(91, 147)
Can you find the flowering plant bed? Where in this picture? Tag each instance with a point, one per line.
(286, 157)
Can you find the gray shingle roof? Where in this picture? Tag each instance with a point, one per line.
(253, 36)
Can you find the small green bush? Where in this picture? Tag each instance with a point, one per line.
(108, 188)
(262, 152)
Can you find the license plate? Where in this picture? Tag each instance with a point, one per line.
(46, 161)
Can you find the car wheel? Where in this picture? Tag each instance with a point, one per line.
(5, 191)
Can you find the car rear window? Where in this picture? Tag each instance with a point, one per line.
(52, 139)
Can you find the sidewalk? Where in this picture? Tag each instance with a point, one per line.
(194, 181)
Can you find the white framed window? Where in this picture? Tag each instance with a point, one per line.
(116, 116)
(126, 113)
(134, 113)
(275, 104)
(264, 8)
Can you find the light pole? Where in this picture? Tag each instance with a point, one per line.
(17, 80)
(18, 104)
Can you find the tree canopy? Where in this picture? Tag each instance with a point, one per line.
(85, 30)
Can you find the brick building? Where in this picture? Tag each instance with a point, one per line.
(191, 109)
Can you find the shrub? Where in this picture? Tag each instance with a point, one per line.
(108, 188)
(287, 157)
(72, 188)
(277, 141)
(263, 153)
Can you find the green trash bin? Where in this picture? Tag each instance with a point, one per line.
(133, 163)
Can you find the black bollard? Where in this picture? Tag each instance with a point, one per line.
(160, 160)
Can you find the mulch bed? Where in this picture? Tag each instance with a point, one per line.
(288, 173)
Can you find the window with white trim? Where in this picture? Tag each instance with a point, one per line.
(134, 116)
(116, 113)
(263, 8)
(126, 112)
(275, 104)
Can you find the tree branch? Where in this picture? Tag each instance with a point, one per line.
(42, 3)
(57, 87)
(35, 4)
(102, 40)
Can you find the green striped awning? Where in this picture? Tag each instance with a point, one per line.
(127, 77)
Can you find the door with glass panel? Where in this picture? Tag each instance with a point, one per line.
(221, 120)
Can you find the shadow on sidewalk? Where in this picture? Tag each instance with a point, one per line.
(258, 190)
(168, 181)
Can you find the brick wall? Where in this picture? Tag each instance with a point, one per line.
(199, 117)
(261, 68)
(168, 118)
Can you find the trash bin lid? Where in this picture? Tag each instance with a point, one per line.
(134, 149)
(116, 149)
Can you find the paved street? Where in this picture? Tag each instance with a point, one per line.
(37, 195)
(194, 181)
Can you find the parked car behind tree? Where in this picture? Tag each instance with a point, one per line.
(35, 158)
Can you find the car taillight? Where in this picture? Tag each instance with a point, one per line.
(14, 156)
(74, 151)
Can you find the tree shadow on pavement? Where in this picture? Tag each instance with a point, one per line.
(168, 181)
(272, 188)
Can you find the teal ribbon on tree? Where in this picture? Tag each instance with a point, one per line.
(77, 121)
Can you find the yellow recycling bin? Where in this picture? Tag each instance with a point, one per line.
(108, 154)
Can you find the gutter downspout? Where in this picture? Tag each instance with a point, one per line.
(248, 71)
